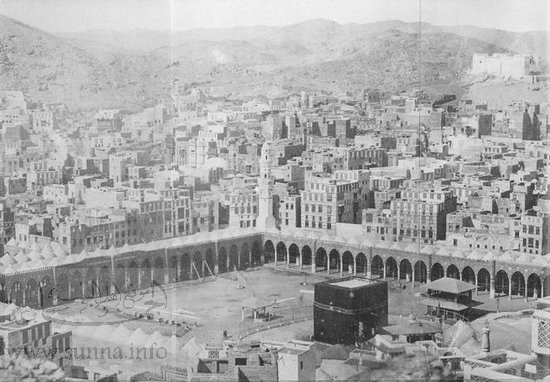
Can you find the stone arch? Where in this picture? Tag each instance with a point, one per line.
(321, 259)
(483, 280)
(501, 283)
(145, 274)
(333, 261)
(420, 272)
(453, 272)
(17, 293)
(233, 258)
(46, 292)
(210, 259)
(348, 263)
(469, 275)
(197, 265)
(91, 288)
(158, 271)
(3, 293)
(405, 270)
(63, 287)
(361, 263)
(256, 254)
(546, 286)
(244, 256)
(391, 268)
(104, 281)
(76, 285)
(32, 294)
(294, 254)
(306, 255)
(269, 251)
(518, 284)
(185, 264)
(377, 267)
(120, 278)
(436, 272)
(173, 269)
(222, 260)
(133, 275)
(281, 252)
(534, 287)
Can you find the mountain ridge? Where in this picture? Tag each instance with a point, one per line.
(112, 69)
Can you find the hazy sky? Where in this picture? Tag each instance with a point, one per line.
(78, 15)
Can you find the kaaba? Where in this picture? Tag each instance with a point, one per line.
(349, 310)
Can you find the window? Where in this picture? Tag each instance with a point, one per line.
(240, 361)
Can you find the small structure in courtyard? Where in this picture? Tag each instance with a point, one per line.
(449, 298)
(257, 306)
(411, 330)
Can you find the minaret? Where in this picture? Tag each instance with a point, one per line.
(265, 219)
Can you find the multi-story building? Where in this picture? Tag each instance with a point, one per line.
(42, 121)
(274, 127)
(36, 339)
(206, 211)
(327, 199)
(118, 167)
(152, 218)
(243, 207)
(419, 216)
(534, 234)
(199, 150)
(40, 177)
(290, 211)
(474, 228)
(7, 227)
(531, 125)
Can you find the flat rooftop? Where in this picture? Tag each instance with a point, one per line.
(9, 326)
(353, 283)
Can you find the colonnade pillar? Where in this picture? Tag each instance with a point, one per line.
(492, 287)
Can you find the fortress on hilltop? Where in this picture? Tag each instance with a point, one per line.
(515, 66)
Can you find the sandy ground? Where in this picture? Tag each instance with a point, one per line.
(206, 309)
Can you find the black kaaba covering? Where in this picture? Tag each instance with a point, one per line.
(349, 310)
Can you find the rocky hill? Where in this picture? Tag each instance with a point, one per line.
(48, 68)
(137, 68)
